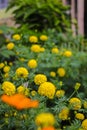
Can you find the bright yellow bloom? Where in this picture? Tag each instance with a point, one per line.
(40, 78)
(1, 65)
(55, 50)
(6, 75)
(35, 48)
(32, 63)
(52, 74)
(84, 124)
(42, 49)
(23, 90)
(64, 113)
(45, 119)
(6, 69)
(22, 72)
(61, 72)
(16, 37)
(33, 39)
(79, 116)
(10, 46)
(33, 92)
(68, 53)
(47, 89)
(8, 88)
(60, 93)
(43, 38)
(75, 103)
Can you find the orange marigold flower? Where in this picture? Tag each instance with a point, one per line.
(48, 128)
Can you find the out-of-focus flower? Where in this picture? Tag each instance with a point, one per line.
(39, 79)
(64, 113)
(68, 53)
(43, 38)
(52, 74)
(42, 49)
(8, 88)
(45, 119)
(6, 69)
(47, 89)
(16, 37)
(77, 85)
(55, 50)
(22, 72)
(35, 48)
(79, 116)
(1, 65)
(10, 46)
(85, 104)
(32, 63)
(75, 103)
(84, 124)
(48, 128)
(61, 72)
(23, 90)
(33, 39)
(60, 93)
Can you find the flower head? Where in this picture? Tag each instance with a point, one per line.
(6, 69)
(10, 46)
(43, 38)
(16, 37)
(79, 116)
(84, 124)
(23, 90)
(1, 65)
(55, 50)
(47, 89)
(35, 48)
(52, 74)
(40, 78)
(64, 113)
(45, 119)
(61, 72)
(48, 128)
(33, 39)
(75, 103)
(60, 93)
(8, 88)
(68, 53)
(32, 63)
(22, 72)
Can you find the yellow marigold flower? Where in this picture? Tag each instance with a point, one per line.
(40, 78)
(84, 124)
(22, 72)
(35, 48)
(32, 63)
(10, 46)
(68, 53)
(45, 119)
(52, 74)
(64, 113)
(47, 89)
(1, 65)
(27, 91)
(79, 116)
(61, 72)
(1, 32)
(22, 59)
(43, 38)
(60, 93)
(33, 92)
(33, 39)
(8, 88)
(85, 104)
(77, 85)
(6, 69)
(6, 75)
(75, 103)
(55, 50)
(42, 49)
(21, 89)
(16, 37)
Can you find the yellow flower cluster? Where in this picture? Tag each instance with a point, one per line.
(61, 72)
(16, 37)
(75, 103)
(22, 72)
(10, 46)
(23, 90)
(8, 88)
(43, 38)
(45, 119)
(55, 50)
(64, 113)
(1, 65)
(6, 69)
(84, 124)
(47, 89)
(68, 53)
(35, 48)
(52, 74)
(60, 93)
(40, 78)
(33, 39)
(32, 63)
(79, 116)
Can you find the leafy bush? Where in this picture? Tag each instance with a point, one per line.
(40, 14)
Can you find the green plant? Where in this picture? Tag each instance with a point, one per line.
(40, 14)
